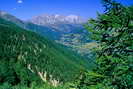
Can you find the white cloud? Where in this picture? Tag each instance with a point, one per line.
(19, 1)
(14, 8)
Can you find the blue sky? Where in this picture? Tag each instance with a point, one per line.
(25, 9)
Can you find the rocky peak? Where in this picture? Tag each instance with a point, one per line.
(56, 19)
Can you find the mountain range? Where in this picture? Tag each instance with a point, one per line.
(26, 57)
(66, 30)
(56, 19)
(50, 52)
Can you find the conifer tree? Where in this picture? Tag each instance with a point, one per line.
(113, 32)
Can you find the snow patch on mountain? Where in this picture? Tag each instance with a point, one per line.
(56, 19)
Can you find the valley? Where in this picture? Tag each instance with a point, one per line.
(61, 50)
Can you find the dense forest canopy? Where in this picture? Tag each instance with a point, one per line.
(26, 57)
(113, 31)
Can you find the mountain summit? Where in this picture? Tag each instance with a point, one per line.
(56, 19)
(9, 17)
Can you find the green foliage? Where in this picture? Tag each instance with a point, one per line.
(113, 31)
(23, 54)
(33, 86)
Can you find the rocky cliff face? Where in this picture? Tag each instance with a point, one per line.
(56, 19)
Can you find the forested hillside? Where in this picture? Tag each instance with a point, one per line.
(27, 57)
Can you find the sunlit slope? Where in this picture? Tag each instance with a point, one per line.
(26, 56)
